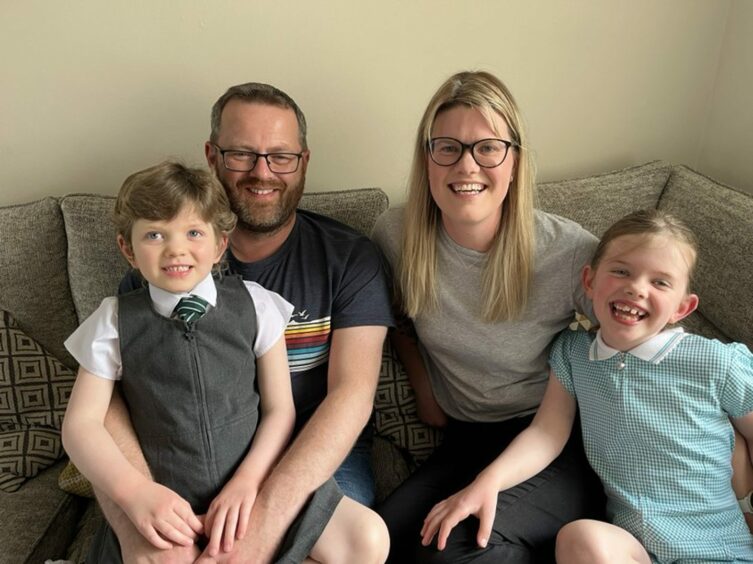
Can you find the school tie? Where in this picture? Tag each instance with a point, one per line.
(190, 309)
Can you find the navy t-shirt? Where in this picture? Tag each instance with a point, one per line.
(335, 278)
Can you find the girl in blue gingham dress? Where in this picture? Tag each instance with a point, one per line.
(657, 408)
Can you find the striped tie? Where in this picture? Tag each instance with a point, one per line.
(190, 309)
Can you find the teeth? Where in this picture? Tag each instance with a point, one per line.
(467, 188)
(628, 310)
(181, 268)
(260, 191)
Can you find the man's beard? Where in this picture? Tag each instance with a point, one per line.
(264, 218)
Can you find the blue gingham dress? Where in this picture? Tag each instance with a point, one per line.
(656, 430)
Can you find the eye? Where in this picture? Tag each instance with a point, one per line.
(662, 283)
(619, 272)
(195, 233)
(489, 148)
(153, 236)
(281, 158)
(239, 156)
(445, 147)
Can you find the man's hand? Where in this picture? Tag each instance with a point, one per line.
(256, 546)
(137, 550)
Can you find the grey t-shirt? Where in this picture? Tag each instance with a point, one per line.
(483, 371)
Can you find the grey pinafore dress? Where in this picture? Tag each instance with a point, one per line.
(194, 404)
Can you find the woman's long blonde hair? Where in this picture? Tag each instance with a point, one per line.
(508, 273)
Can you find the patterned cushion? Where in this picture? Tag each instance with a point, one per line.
(396, 418)
(72, 481)
(34, 391)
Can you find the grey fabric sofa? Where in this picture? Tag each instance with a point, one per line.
(58, 260)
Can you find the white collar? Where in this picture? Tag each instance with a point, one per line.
(165, 302)
(654, 350)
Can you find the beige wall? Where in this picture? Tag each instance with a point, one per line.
(92, 91)
(726, 152)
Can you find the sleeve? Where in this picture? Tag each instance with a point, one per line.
(272, 315)
(362, 296)
(559, 359)
(737, 394)
(95, 344)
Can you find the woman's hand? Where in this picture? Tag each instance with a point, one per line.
(479, 499)
(228, 515)
(161, 516)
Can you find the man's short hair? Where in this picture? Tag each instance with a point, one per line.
(257, 92)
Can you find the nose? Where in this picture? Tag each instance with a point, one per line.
(635, 288)
(175, 248)
(261, 168)
(467, 163)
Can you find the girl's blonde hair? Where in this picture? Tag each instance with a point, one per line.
(159, 192)
(508, 273)
(650, 222)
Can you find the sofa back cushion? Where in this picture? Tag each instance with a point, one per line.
(96, 266)
(596, 202)
(722, 220)
(34, 274)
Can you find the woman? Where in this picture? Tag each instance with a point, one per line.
(487, 282)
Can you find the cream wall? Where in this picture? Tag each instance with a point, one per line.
(92, 91)
(727, 149)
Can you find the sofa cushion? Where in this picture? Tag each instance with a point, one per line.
(39, 520)
(34, 392)
(72, 481)
(722, 220)
(596, 202)
(358, 208)
(34, 273)
(95, 265)
(396, 418)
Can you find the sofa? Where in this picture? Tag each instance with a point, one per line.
(59, 259)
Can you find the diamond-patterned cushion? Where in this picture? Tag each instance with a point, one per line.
(34, 391)
(396, 418)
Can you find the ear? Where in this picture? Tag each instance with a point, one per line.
(127, 251)
(305, 161)
(687, 306)
(210, 152)
(221, 246)
(587, 278)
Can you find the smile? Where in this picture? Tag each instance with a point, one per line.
(178, 268)
(467, 188)
(260, 191)
(627, 312)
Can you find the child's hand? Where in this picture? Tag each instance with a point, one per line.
(161, 515)
(228, 515)
(479, 499)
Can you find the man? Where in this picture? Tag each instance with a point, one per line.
(334, 278)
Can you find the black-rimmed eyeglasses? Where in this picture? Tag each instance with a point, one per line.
(245, 161)
(488, 153)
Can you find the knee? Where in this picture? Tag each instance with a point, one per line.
(576, 543)
(369, 541)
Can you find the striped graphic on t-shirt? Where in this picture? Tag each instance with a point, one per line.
(307, 343)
